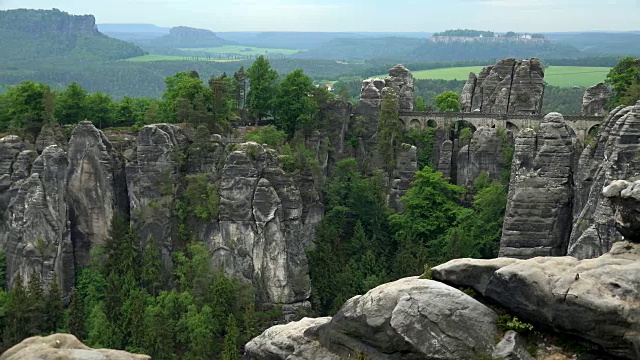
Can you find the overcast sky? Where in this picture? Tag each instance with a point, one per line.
(358, 15)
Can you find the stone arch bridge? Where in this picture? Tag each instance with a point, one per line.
(581, 125)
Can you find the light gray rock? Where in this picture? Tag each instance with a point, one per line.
(595, 99)
(401, 79)
(38, 241)
(403, 175)
(485, 153)
(610, 158)
(50, 134)
(63, 347)
(151, 184)
(625, 198)
(594, 299)
(512, 347)
(466, 98)
(293, 341)
(95, 183)
(539, 209)
(410, 319)
(446, 155)
(262, 233)
(509, 87)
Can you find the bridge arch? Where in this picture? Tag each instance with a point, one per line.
(458, 125)
(415, 124)
(593, 130)
(432, 123)
(512, 127)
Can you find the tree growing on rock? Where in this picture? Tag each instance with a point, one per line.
(389, 132)
(262, 80)
(294, 107)
(625, 80)
(448, 101)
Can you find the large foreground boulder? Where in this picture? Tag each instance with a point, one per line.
(63, 347)
(293, 341)
(594, 299)
(410, 318)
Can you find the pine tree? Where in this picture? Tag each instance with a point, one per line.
(389, 131)
(231, 339)
(101, 334)
(152, 271)
(17, 309)
(54, 306)
(76, 316)
(35, 306)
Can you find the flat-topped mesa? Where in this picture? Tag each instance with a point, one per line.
(595, 99)
(509, 87)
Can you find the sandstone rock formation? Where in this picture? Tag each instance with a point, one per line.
(485, 153)
(261, 228)
(408, 319)
(401, 79)
(512, 347)
(50, 134)
(539, 210)
(508, 87)
(38, 238)
(625, 198)
(63, 347)
(293, 341)
(613, 156)
(594, 100)
(96, 186)
(595, 299)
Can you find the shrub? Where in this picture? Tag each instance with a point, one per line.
(267, 135)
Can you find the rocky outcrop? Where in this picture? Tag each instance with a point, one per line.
(97, 189)
(444, 160)
(594, 299)
(513, 346)
(401, 79)
(485, 153)
(262, 234)
(50, 134)
(614, 156)
(408, 319)
(403, 176)
(38, 241)
(508, 87)
(63, 347)
(539, 210)
(151, 183)
(595, 99)
(625, 198)
(293, 341)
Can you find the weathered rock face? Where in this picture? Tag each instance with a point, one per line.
(625, 198)
(262, 234)
(444, 162)
(539, 210)
(508, 87)
(63, 347)
(595, 99)
(401, 79)
(38, 236)
(96, 187)
(614, 156)
(151, 183)
(404, 175)
(595, 299)
(485, 153)
(293, 341)
(408, 319)
(512, 347)
(50, 134)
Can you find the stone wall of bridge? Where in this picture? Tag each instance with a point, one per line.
(581, 125)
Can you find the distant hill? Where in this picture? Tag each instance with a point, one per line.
(184, 37)
(133, 32)
(306, 40)
(39, 35)
(600, 43)
(363, 49)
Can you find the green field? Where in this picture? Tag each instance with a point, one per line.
(562, 76)
(148, 58)
(243, 50)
